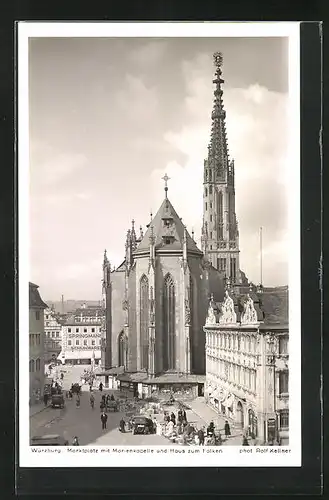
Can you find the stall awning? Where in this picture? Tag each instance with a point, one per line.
(82, 354)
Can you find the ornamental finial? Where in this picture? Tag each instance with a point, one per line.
(166, 179)
(218, 59)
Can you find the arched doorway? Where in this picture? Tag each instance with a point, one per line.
(252, 424)
(239, 414)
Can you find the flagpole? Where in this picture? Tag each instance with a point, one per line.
(261, 254)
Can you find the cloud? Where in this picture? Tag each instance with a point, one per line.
(137, 101)
(149, 53)
(48, 167)
(257, 138)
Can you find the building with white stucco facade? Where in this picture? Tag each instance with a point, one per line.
(247, 368)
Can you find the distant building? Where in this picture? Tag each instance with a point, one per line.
(247, 367)
(53, 335)
(82, 335)
(36, 343)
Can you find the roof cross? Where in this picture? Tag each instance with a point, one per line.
(166, 179)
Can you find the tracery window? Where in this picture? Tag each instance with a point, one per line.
(122, 349)
(144, 314)
(169, 337)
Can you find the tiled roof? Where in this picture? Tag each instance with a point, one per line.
(160, 231)
(271, 304)
(35, 300)
(89, 311)
(275, 305)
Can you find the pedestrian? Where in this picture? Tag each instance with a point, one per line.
(101, 387)
(211, 429)
(103, 420)
(173, 418)
(102, 406)
(75, 441)
(184, 415)
(112, 397)
(245, 441)
(107, 400)
(179, 416)
(45, 399)
(78, 401)
(155, 425)
(122, 425)
(227, 429)
(92, 401)
(201, 436)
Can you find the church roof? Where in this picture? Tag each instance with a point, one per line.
(174, 233)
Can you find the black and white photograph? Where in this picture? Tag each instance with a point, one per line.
(159, 244)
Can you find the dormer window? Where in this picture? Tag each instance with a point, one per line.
(167, 241)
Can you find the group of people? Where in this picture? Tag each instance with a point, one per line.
(105, 401)
(173, 425)
(179, 428)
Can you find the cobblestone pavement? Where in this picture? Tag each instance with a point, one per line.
(85, 423)
(206, 414)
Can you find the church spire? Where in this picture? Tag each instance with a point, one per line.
(218, 149)
(220, 235)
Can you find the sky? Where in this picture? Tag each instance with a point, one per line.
(109, 117)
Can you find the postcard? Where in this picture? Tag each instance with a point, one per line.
(159, 244)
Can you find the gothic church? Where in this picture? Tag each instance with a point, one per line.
(157, 299)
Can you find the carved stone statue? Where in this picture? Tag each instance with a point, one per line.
(211, 318)
(228, 313)
(187, 312)
(249, 315)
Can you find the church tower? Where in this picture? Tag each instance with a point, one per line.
(220, 235)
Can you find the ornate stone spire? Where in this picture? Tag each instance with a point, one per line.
(218, 149)
(128, 239)
(105, 260)
(133, 235)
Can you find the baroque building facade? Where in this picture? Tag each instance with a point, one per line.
(247, 364)
(82, 336)
(36, 343)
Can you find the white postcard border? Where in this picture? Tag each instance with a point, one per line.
(229, 456)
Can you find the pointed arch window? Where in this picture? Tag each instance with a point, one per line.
(122, 350)
(220, 213)
(169, 338)
(144, 315)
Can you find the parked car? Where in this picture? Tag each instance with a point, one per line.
(49, 440)
(142, 425)
(57, 401)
